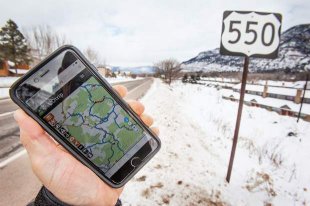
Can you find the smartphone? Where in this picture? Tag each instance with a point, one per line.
(68, 97)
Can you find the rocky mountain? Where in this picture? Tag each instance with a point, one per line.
(135, 70)
(294, 55)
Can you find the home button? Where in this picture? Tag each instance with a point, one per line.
(135, 161)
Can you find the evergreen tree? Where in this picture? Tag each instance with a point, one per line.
(13, 45)
(2, 55)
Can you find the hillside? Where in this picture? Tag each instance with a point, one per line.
(294, 55)
(135, 70)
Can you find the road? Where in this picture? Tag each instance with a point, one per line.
(18, 183)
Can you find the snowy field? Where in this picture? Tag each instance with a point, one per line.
(297, 84)
(6, 82)
(271, 164)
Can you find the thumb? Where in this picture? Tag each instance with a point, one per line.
(32, 136)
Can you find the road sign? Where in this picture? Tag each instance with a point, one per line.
(248, 34)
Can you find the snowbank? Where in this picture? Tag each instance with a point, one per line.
(4, 93)
(6, 82)
(197, 125)
(18, 71)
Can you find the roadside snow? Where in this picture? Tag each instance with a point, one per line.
(19, 71)
(4, 93)
(197, 125)
(6, 82)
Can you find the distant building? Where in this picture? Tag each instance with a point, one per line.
(105, 71)
(4, 69)
(254, 103)
(286, 110)
(8, 68)
(125, 73)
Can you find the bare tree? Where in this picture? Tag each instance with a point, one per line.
(93, 56)
(169, 69)
(43, 41)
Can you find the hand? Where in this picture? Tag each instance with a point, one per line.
(62, 174)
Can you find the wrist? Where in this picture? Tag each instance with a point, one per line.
(46, 198)
(104, 197)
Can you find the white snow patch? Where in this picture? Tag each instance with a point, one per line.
(12, 64)
(19, 71)
(4, 93)
(6, 82)
(197, 125)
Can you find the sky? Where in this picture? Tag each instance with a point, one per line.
(141, 33)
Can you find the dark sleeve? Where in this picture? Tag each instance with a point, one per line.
(46, 198)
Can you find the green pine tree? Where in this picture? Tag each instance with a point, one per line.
(13, 45)
(2, 54)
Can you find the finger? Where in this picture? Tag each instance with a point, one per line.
(59, 146)
(33, 137)
(148, 120)
(121, 90)
(28, 124)
(155, 130)
(136, 106)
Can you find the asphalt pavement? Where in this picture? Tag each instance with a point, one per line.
(18, 184)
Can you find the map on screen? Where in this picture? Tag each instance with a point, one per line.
(94, 123)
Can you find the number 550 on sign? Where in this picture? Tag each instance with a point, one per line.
(255, 34)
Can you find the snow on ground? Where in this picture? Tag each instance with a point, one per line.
(271, 164)
(296, 85)
(6, 82)
(18, 71)
(269, 101)
(4, 93)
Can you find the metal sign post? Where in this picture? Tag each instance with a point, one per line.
(248, 34)
(241, 99)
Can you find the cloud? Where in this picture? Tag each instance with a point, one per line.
(131, 33)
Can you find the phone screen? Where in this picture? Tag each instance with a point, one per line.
(75, 104)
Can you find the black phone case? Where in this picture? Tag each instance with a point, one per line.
(59, 139)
